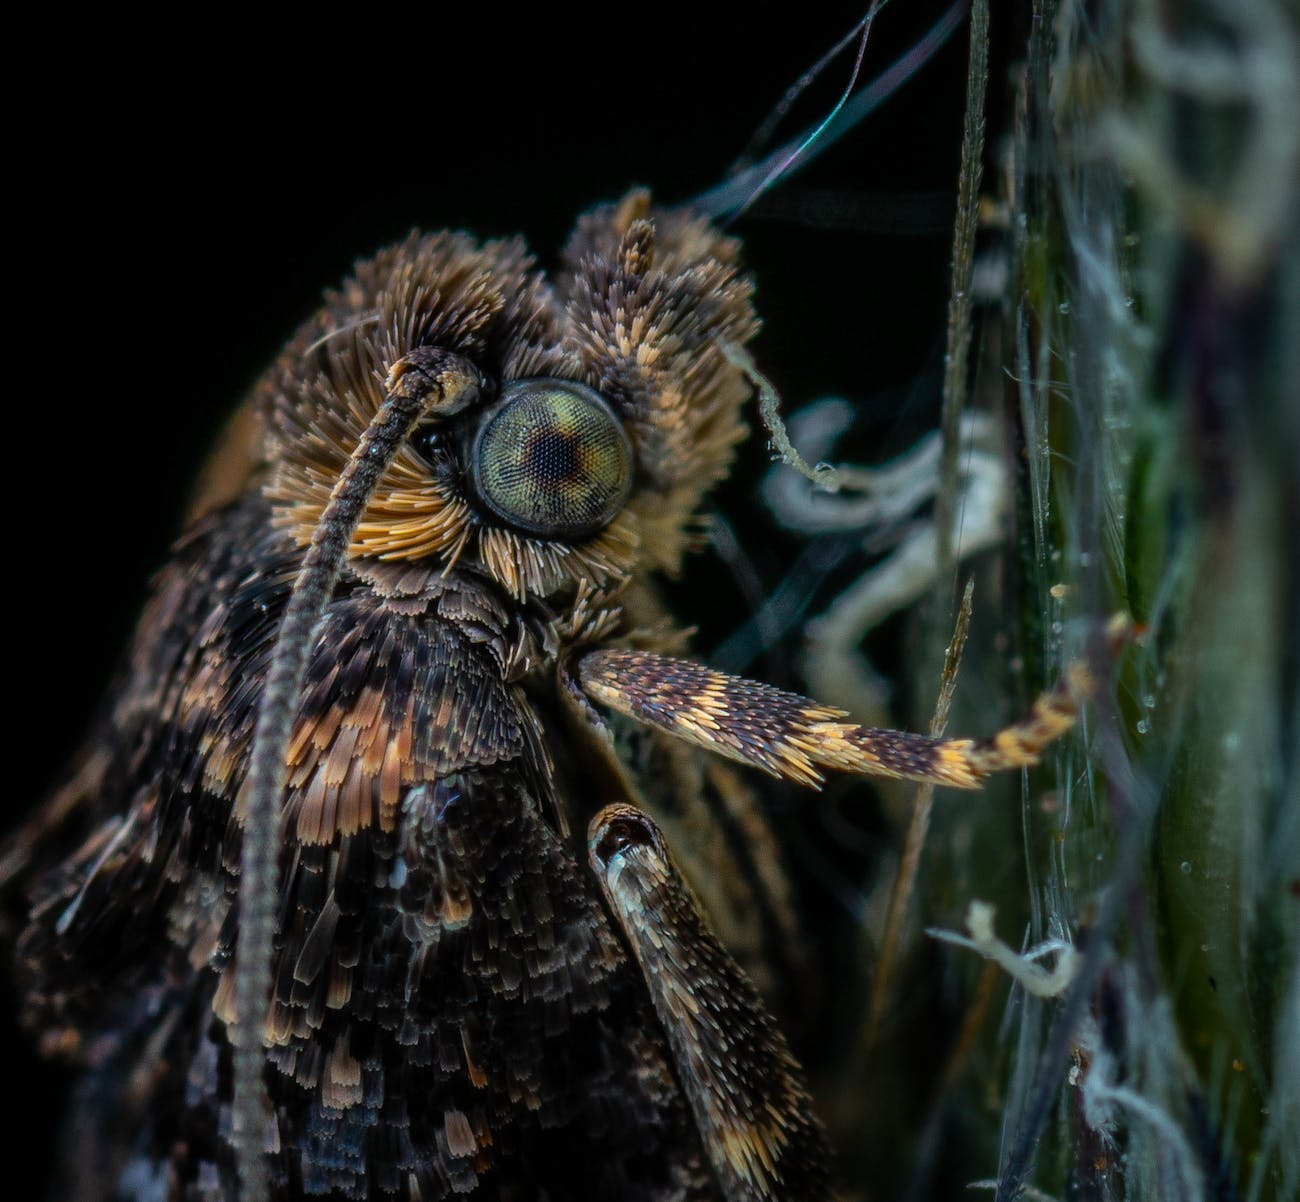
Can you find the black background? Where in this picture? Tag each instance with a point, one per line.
(187, 193)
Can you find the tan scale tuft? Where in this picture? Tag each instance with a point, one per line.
(638, 314)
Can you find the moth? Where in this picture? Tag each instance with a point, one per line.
(414, 857)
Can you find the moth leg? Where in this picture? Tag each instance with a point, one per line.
(746, 1092)
(725, 845)
(791, 736)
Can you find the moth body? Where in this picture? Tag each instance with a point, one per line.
(472, 991)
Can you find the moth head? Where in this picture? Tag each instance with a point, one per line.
(607, 405)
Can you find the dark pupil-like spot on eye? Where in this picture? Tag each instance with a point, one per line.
(552, 459)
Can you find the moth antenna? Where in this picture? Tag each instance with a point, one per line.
(735, 195)
(427, 382)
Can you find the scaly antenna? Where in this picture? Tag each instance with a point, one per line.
(427, 382)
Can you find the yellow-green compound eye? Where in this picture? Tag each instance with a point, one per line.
(552, 459)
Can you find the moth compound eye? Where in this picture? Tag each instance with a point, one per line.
(552, 459)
